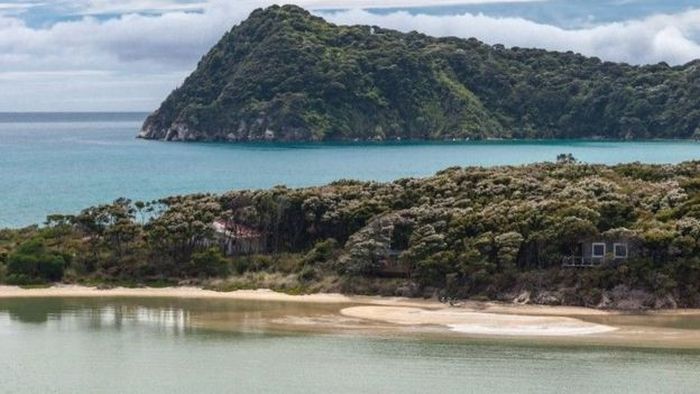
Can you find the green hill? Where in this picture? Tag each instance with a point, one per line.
(284, 74)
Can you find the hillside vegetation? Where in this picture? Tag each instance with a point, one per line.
(487, 233)
(284, 74)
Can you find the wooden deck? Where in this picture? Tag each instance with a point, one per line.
(579, 261)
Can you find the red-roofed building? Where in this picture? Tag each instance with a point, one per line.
(238, 239)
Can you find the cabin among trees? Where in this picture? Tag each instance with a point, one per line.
(604, 250)
(486, 232)
(236, 239)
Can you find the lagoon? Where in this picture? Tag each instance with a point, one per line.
(61, 163)
(117, 345)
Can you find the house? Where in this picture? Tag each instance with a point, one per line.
(391, 267)
(601, 251)
(237, 239)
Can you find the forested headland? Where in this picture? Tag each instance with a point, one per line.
(285, 75)
(497, 233)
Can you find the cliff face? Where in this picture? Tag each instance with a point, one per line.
(284, 74)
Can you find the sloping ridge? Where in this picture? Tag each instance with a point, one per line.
(284, 74)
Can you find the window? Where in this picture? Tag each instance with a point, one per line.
(620, 251)
(598, 250)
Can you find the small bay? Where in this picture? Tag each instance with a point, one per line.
(61, 163)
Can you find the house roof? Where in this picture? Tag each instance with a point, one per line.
(235, 230)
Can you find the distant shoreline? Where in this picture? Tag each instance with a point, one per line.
(409, 141)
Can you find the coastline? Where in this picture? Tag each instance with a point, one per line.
(167, 292)
(396, 315)
(490, 307)
(412, 141)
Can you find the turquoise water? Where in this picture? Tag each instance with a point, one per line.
(62, 163)
(162, 346)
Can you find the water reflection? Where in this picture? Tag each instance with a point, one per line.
(97, 315)
(172, 316)
(31, 311)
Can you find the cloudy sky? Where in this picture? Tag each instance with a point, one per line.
(110, 55)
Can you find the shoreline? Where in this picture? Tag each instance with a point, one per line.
(77, 291)
(416, 141)
(470, 319)
(490, 307)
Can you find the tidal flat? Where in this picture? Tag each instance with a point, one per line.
(189, 340)
(265, 310)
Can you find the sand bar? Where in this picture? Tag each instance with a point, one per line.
(479, 323)
(469, 318)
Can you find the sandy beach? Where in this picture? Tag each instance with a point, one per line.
(172, 292)
(480, 323)
(470, 318)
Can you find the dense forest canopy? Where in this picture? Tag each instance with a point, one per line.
(465, 232)
(284, 74)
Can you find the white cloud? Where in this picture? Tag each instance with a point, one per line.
(657, 38)
(16, 8)
(97, 7)
(374, 4)
(131, 62)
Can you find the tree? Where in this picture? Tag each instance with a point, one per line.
(209, 262)
(185, 227)
(33, 262)
(566, 158)
(508, 248)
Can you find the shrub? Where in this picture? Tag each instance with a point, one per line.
(307, 274)
(33, 262)
(209, 263)
(322, 252)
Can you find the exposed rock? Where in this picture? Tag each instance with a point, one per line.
(665, 302)
(548, 298)
(410, 290)
(605, 302)
(522, 298)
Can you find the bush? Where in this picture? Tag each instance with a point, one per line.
(245, 264)
(33, 262)
(322, 252)
(307, 274)
(209, 263)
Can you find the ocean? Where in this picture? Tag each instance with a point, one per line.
(62, 163)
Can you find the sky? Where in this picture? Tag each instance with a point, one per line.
(109, 55)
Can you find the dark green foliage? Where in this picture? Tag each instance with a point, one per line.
(323, 252)
(465, 232)
(284, 74)
(245, 264)
(208, 263)
(32, 262)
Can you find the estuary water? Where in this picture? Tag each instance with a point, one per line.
(134, 345)
(61, 163)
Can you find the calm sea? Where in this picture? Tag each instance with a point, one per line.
(165, 346)
(61, 163)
